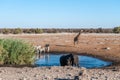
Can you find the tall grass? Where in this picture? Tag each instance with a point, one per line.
(16, 52)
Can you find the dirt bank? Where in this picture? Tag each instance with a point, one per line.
(104, 46)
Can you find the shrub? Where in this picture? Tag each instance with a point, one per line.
(26, 31)
(116, 30)
(99, 30)
(6, 31)
(3, 55)
(38, 30)
(17, 31)
(16, 52)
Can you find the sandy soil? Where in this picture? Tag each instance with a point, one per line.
(104, 46)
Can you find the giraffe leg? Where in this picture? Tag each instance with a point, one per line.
(77, 41)
(74, 42)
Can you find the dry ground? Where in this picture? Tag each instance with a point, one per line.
(58, 73)
(105, 46)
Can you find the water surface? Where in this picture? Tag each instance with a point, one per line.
(84, 61)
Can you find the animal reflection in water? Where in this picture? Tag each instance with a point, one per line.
(42, 52)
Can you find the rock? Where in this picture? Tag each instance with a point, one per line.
(2, 71)
(107, 48)
(57, 75)
(58, 70)
(114, 69)
(94, 78)
(1, 79)
(23, 78)
(46, 77)
(36, 75)
(83, 68)
(49, 67)
(68, 74)
(76, 78)
(106, 77)
(80, 73)
(19, 72)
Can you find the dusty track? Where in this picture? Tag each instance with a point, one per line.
(105, 46)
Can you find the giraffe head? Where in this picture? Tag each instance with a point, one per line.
(80, 32)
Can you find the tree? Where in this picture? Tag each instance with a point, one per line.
(116, 29)
(5, 31)
(17, 31)
(38, 31)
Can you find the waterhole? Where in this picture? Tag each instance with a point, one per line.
(84, 61)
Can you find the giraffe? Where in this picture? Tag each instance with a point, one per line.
(76, 37)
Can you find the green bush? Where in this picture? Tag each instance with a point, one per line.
(116, 30)
(16, 52)
(3, 55)
(17, 31)
(38, 30)
(6, 31)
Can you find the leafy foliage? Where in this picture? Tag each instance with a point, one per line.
(3, 55)
(116, 30)
(17, 31)
(6, 31)
(16, 52)
(38, 30)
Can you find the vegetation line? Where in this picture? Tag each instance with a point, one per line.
(53, 30)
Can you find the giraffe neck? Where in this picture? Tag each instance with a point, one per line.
(78, 34)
